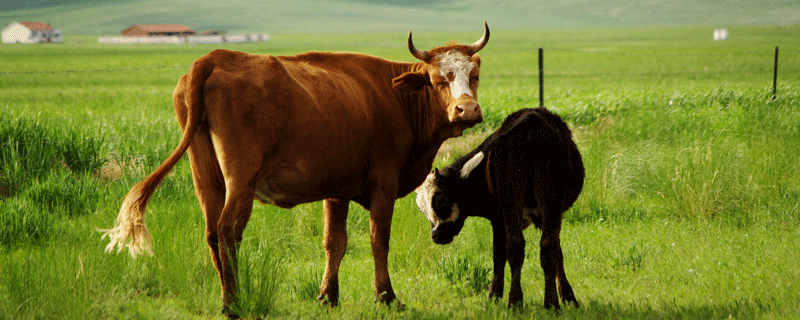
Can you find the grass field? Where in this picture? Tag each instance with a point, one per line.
(690, 208)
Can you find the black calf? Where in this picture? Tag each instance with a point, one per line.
(527, 172)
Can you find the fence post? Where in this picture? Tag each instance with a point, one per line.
(541, 79)
(775, 77)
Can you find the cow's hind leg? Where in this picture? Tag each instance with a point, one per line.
(335, 244)
(210, 189)
(231, 225)
(208, 181)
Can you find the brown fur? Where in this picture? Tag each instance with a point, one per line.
(295, 129)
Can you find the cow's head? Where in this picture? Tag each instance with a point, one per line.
(438, 198)
(453, 73)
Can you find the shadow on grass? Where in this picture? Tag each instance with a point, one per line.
(668, 310)
(588, 310)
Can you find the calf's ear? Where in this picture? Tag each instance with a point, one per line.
(471, 164)
(411, 81)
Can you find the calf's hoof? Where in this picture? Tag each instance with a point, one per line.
(515, 304)
(572, 301)
(495, 295)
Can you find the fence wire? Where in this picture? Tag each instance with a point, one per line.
(92, 70)
(662, 54)
(533, 51)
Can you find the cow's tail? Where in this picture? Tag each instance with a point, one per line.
(129, 229)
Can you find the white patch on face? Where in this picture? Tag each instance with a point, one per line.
(425, 194)
(456, 62)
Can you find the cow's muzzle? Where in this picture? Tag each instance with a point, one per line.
(466, 111)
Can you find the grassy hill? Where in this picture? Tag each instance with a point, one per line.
(344, 16)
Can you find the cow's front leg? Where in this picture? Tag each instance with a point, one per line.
(499, 257)
(335, 244)
(380, 221)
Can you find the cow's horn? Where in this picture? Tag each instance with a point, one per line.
(478, 45)
(422, 55)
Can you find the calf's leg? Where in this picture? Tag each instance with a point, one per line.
(567, 296)
(499, 257)
(335, 244)
(551, 257)
(515, 252)
(515, 249)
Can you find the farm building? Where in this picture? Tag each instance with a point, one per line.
(30, 32)
(138, 30)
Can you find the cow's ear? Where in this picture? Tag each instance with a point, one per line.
(477, 59)
(411, 81)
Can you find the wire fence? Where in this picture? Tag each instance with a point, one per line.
(519, 72)
(516, 73)
(93, 70)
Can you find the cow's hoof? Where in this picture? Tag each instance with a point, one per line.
(385, 298)
(328, 300)
(229, 313)
(390, 300)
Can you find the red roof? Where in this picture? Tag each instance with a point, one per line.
(35, 25)
(161, 28)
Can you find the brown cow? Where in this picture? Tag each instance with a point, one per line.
(528, 172)
(316, 126)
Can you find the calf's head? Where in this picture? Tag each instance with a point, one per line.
(453, 73)
(439, 198)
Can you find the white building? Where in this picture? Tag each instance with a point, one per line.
(720, 34)
(30, 32)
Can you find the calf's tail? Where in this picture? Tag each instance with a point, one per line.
(129, 229)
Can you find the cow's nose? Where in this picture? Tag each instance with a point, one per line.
(468, 107)
(469, 110)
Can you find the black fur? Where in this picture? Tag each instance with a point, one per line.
(530, 162)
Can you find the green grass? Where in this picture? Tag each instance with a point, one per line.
(690, 207)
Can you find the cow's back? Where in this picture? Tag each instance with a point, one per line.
(326, 114)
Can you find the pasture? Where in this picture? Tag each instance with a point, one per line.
(691, 206)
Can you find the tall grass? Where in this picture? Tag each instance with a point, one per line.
(45, 176)
(260, 277)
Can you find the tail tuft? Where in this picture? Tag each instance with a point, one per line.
(129, 231)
